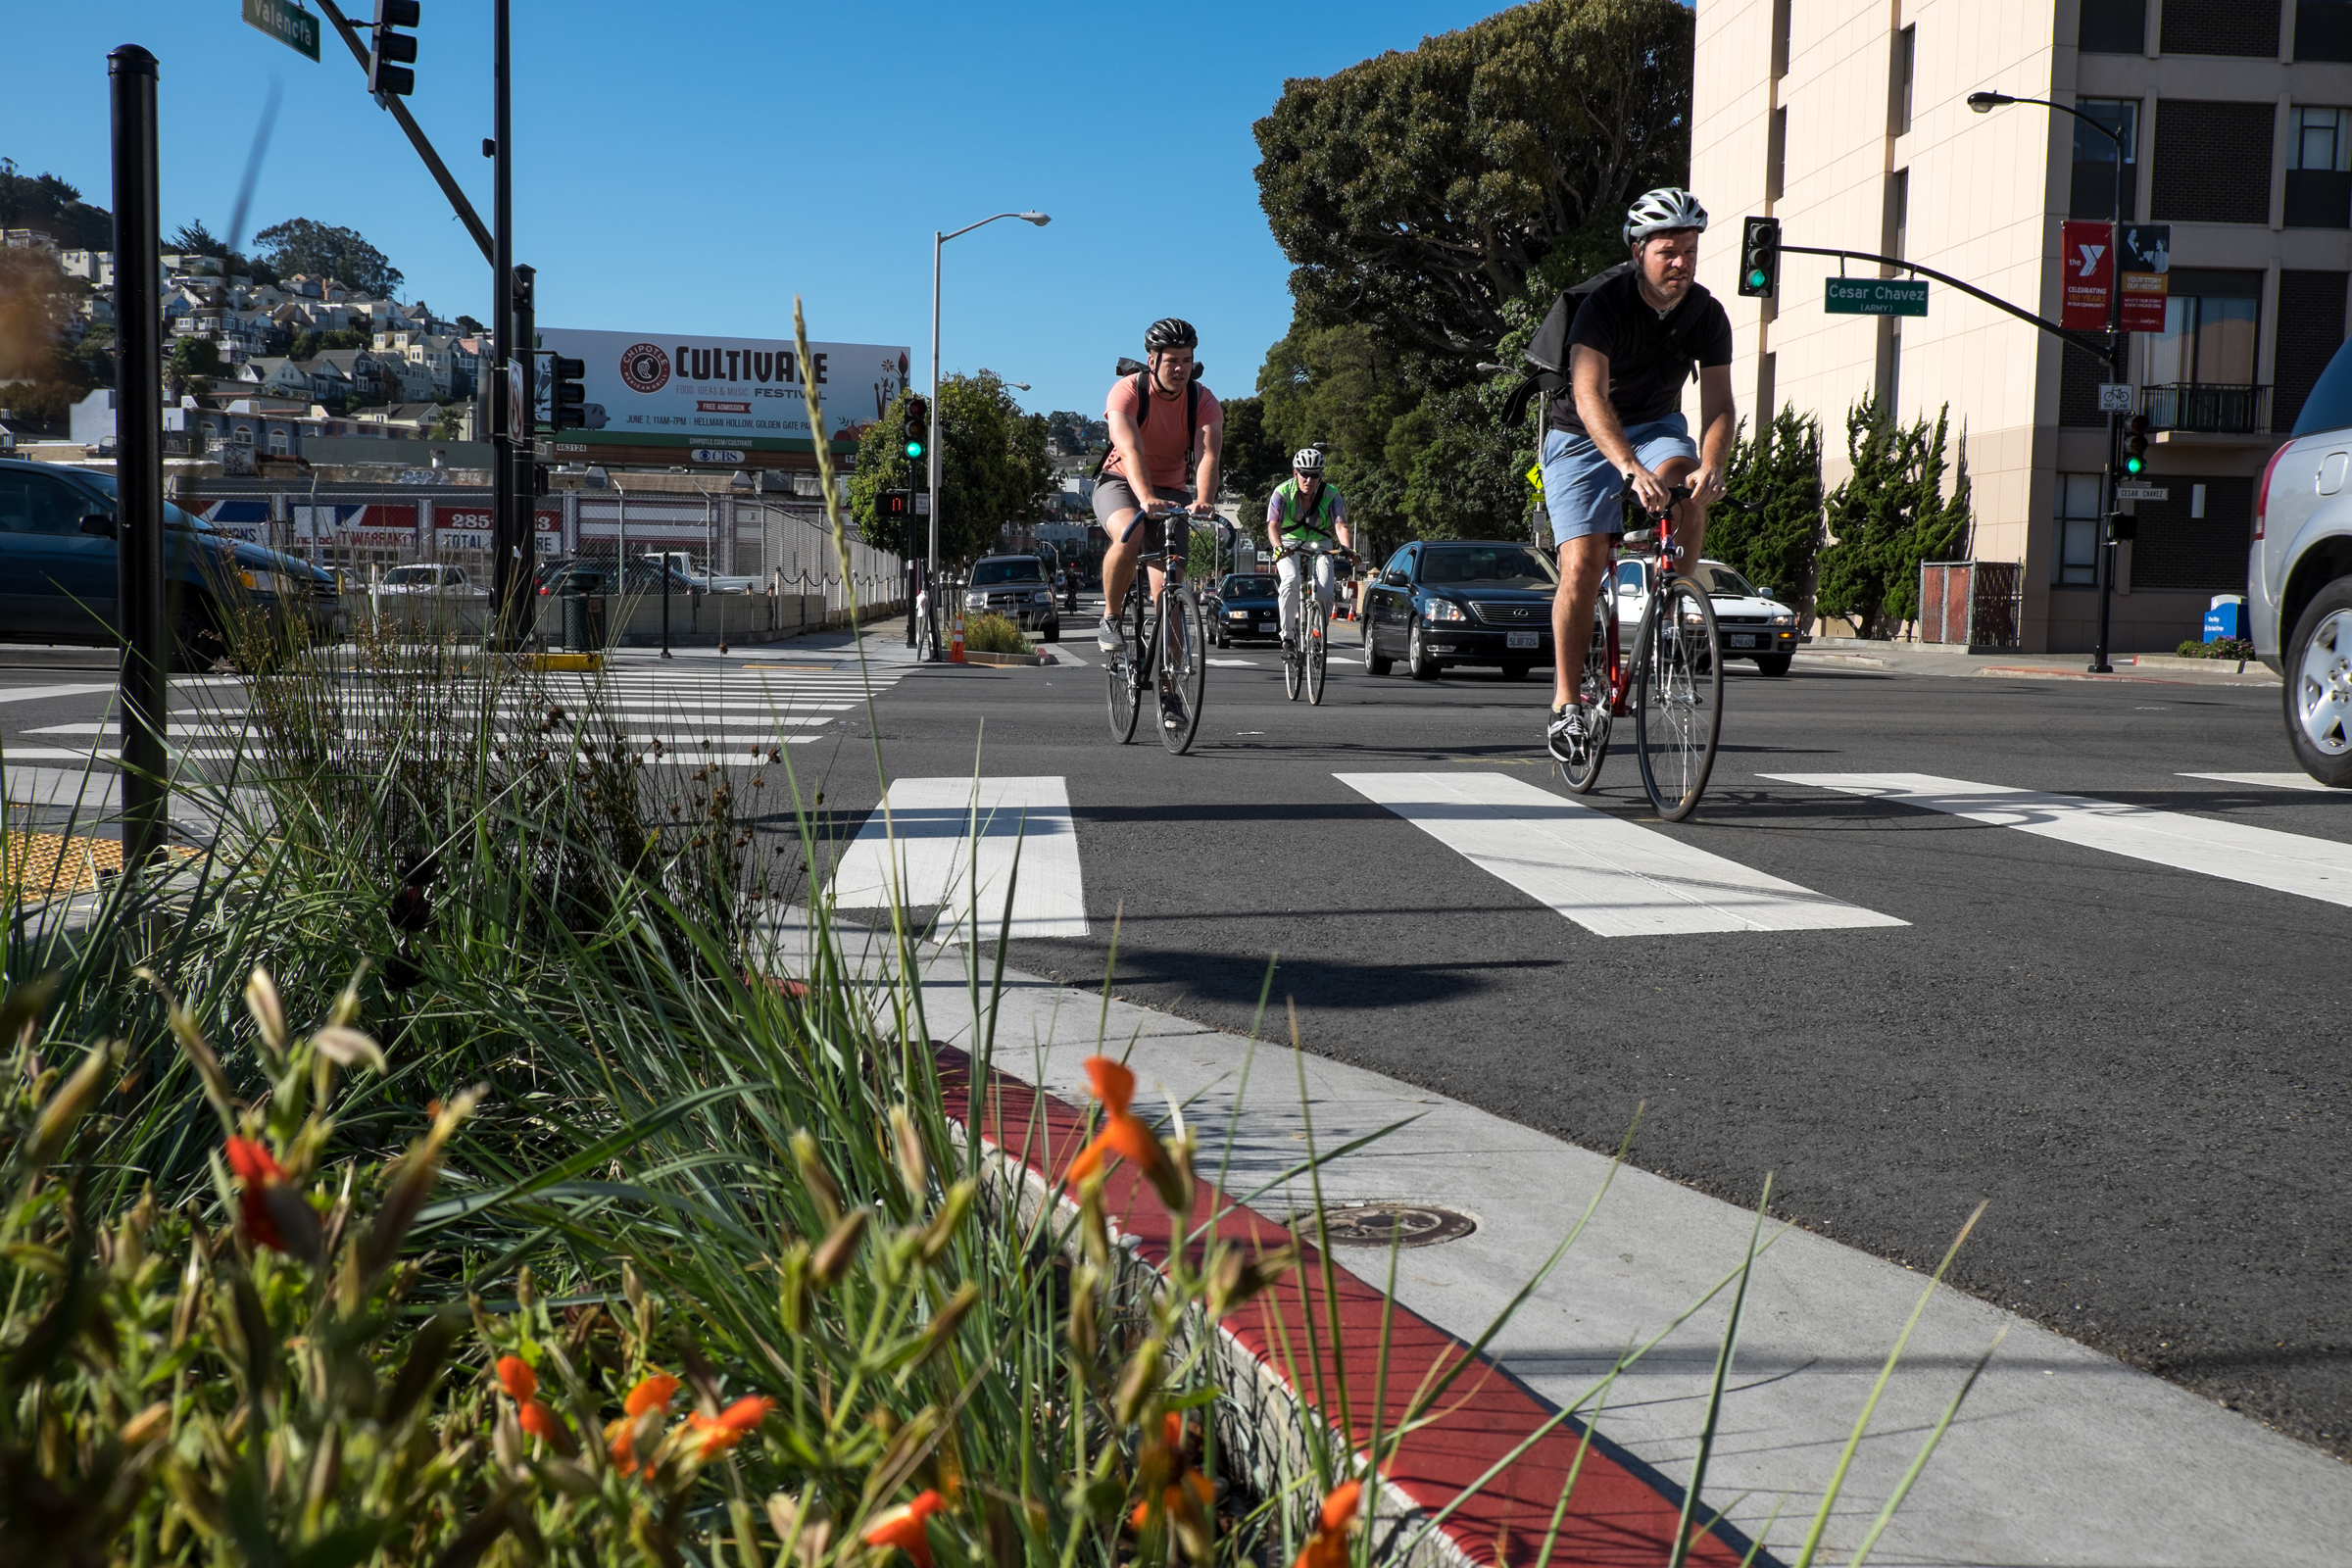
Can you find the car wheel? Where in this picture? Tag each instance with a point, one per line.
(196, 642)
(1374, 664)
(1224, 641)
(1417, 656)
(2318, 686)
(1774, 663)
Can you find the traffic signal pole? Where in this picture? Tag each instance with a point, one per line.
(501, 326)
(2116, 345)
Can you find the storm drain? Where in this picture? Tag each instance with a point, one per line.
(1388, 1225)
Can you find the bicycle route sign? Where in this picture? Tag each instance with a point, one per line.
(1876, 296)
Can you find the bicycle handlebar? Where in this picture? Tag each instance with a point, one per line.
(1626, 494)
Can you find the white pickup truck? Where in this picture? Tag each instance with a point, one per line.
(430, 579)
(709, 582)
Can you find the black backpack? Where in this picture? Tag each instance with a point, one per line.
(1547, 351)
(1143, 391)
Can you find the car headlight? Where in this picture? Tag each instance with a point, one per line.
(1441, 609)
(1236, 614)
(975, 601)
(1784, 619)
(1693, 619)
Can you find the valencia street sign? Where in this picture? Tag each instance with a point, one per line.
(1877, 296)
(287, 23)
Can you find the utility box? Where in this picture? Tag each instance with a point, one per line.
(2226, 617)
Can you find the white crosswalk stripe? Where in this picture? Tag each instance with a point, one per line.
(1612, 877)
(2275, 781)
(2263, 858)
(935, 841)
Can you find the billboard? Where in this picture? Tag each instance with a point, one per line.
(717, 392)
(468, 527)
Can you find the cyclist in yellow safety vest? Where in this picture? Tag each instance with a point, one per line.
(1306, 515)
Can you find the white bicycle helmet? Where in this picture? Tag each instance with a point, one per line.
(1655, 211)
(1307, 460)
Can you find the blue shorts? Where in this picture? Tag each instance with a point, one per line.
(1580, 485)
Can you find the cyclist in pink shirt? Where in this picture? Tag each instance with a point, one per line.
(1166, 427)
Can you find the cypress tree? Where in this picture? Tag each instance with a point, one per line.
(1776, 546)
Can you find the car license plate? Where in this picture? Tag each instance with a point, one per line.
(1519, 639)
(1743, 639)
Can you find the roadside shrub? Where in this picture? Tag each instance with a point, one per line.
(2234, 648)
(995, 634)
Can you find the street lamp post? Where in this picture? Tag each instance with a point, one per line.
(931, 437)
(1986, 103)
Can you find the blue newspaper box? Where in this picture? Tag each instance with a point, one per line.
(2226, 617)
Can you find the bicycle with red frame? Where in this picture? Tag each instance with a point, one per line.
(1672, 683)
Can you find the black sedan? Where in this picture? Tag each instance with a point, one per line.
(1246, 605)
(1444, 601)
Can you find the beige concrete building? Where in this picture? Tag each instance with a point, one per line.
(1847, 120)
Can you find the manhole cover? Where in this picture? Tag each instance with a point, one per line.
(1387, 1224)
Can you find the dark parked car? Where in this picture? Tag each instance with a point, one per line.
(1468, 601)
(1246, 605)
(597, 577)
(1015, 587)
(58, 564)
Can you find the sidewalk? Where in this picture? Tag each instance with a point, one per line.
(1917, 658)
(2061, 1455)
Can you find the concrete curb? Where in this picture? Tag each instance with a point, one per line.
(1347, 1337)
(974, 657)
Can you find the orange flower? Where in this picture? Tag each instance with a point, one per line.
(1328, 1547)
(651, 1393)
(719, 1433)
(902, 1527)
(1188, 1489)
(1123, 1133)
(514, 1375)
(540, 1422)
(258, 1172)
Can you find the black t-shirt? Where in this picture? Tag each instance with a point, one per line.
(1647, 367)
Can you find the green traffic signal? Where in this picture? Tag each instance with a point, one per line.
(2136, 464)
(914, 448)
(1757, 278)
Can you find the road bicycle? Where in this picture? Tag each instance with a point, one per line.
(1166, 642)
(1304, 660)
(1672, 686)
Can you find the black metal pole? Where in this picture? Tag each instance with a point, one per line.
(514, 618)
(145, 693)
(501, 322)
(2100, 661)
(664, 558)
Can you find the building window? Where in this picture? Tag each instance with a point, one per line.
(1898, 96)
(278, 443)
(244, 436)
(2213, 162)
(2078, 530)
(2200, 370)
(2197, 537)
(2319, 168)
(2323, 29)
(2092, 193)
(2219, 28)
(1776, 154)
(2311, 329)
(1779, 40)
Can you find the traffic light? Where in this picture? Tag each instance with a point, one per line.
(1760, 258)
(919, 424)
(567, 404)
(393, 51)
(2135, 445)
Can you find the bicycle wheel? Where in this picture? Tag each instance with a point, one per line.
(1292, 665)
(1184, 667)
(1126, 688)
(1677, 696)
(1594, 695)
(1314, 648)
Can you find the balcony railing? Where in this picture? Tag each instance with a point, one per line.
(2206, 406)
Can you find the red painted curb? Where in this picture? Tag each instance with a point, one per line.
(1618, 1518)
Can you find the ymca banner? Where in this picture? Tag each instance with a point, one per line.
(2087, 255)
(2144, 264)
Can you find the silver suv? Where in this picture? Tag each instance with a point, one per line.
(2299, 577)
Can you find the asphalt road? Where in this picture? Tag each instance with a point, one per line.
(2140, 1067)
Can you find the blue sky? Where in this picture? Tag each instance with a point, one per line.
(690, 166)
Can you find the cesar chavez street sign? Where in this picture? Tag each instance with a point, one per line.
(1877, 296)
(287, 23)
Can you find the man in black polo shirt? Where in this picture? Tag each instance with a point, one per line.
(1629, 349)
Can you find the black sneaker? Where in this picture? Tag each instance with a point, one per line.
(1566, 734)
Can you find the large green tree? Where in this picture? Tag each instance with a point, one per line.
(1418, 193)
(300, 245)
(993, 468)
(48, 204)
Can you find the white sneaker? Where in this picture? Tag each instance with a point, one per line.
(1109, 638)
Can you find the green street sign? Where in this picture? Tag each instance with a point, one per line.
(287, 23)
(1877, 296)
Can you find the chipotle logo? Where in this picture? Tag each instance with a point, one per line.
(645, 367)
